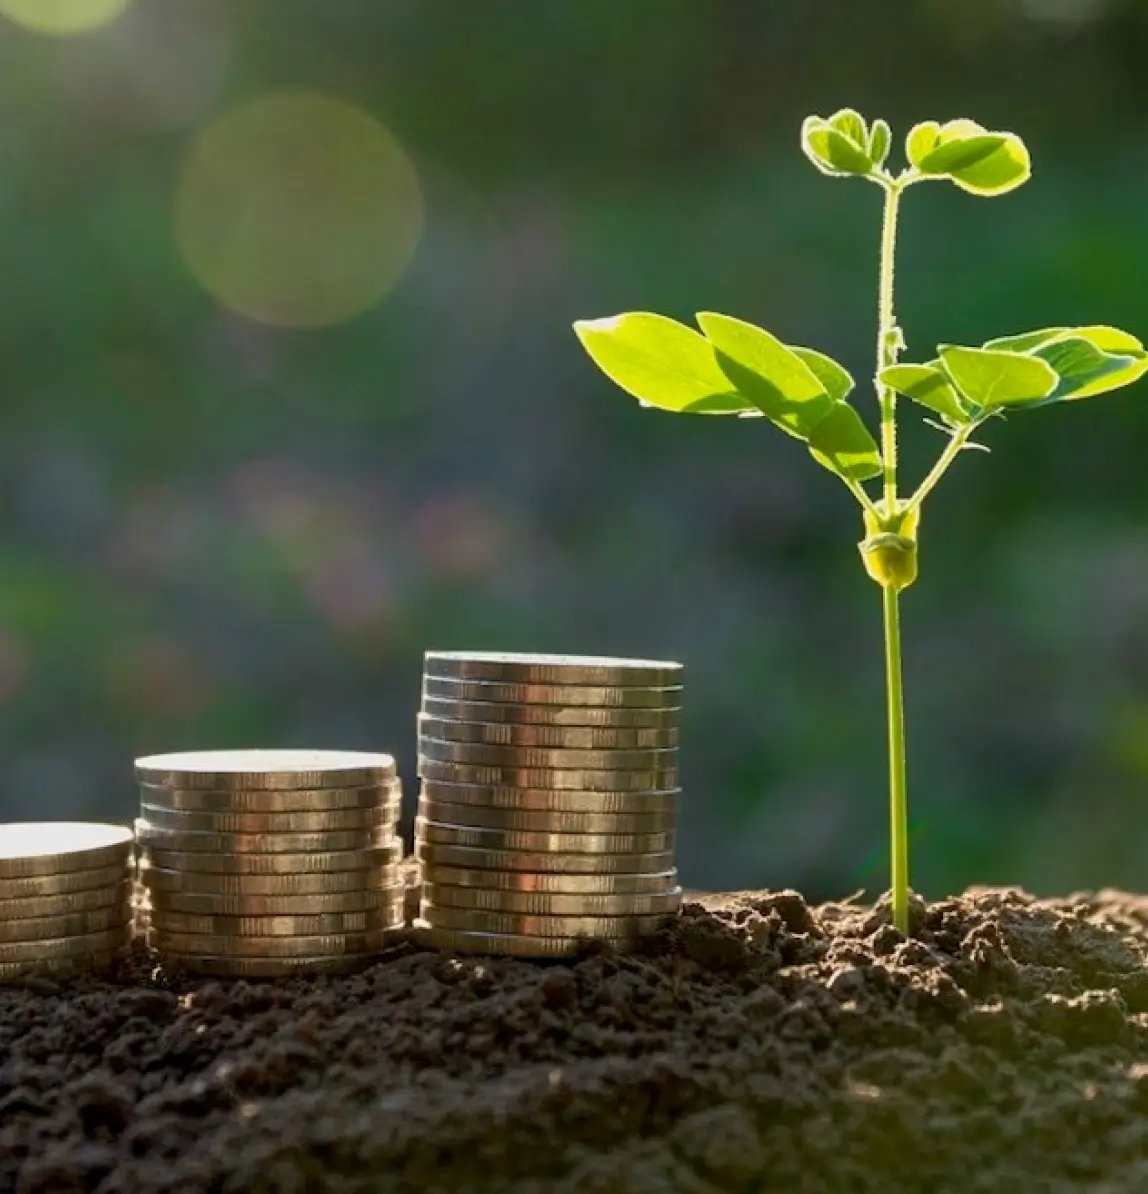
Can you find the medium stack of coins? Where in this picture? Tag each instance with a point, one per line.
(65, 896)
(548, 802)
(257, 863)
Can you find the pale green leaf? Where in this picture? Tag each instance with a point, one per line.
(989, 378)
(1085, 371)
(921, 141)
(836, 380)
(1026, 341)
(831, 151)
(767, 372)
(842, 443)
(880, 138)
(929, 387)
(850, 124)
(977, 160)
(1109, 339)
(660, 362)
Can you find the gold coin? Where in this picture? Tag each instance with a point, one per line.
(38, 848)
(319, 945)
(374, 877)
(530, 883)
(493, 733)
(574, 716)
(89, 963)
(432, 854)
(553, 694)
(473, 815)
(553, 800)
(259, 843)
(329, 821)
(529, 756)
(168, 921)
(498, 944)
(40, 928)
(437, 833)
(560, 780)
(199, 904)
(298, 800)
(42, 886)
(223, 967)
(519, 924)
(266, 769)
(113, 895)
(309, 863)
(551, 669)
(547, 904)
(72, 946)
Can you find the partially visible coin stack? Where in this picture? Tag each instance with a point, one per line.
(65, 896)
(548, 801)
(258, 863)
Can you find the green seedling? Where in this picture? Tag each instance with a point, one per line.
(734, 368)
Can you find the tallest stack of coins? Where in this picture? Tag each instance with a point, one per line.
(548, 802)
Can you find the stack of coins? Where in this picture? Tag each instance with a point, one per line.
(65, 896)
(257, 863)
(548, 802)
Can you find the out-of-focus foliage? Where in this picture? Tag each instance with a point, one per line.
(216, 532)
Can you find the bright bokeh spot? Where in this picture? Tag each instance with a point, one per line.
(298, 210)
(62, 17)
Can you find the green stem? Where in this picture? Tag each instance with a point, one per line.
(952, 449)
(898, 794)
(888, 342)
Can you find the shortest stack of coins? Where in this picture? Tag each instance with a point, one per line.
(258, 863)
(548, 802)
(65, 896)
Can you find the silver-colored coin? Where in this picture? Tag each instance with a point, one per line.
(72, 946)
(298, 800)
(43, 886)
(478, 753)
(573, 716)
(245, 968)
(530, 883)
(546, 904)
(497, 944)
(167, 921)
(557, 779)
(493, 733)
(518, 924)
(319, 945)
(41, 928)
(197, 904)
(330, 821)
(190, 841)
(367, 878)
(432, 854)
(266, 769)
(89, 963)
(551, 669)
(309, 863)
(436, 833)
(553, 694)
(473, 815)
(37, 848)
(67, 904)
(553, 800)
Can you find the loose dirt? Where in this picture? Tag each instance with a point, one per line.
(755, 1045)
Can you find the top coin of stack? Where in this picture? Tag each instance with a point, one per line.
(65, 896)
(263, 862)
(548, 800)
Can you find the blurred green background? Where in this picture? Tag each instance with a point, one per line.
(237, 506)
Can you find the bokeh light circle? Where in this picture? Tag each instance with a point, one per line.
(62, 17)
(298, 210)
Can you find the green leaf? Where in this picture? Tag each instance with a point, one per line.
(836, 380)
(660, 362)
(831, 151)
(977, 160)
(850, 124)
(989, 378)
(920, 141)
(768, 373)
(1107, 339)
(1026, 341)
(929, 387)
(842, 443)
(880, 138)
(1085, 371)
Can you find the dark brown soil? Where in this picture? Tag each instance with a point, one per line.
(758, 1045)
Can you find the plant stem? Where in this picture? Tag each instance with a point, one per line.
(888, 342)
(898, 794)
(952, 448)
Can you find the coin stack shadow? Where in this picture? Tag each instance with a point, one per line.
(65, 896)
(548, 801)
(262, 863)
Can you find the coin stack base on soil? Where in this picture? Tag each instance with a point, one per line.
(262, 863)
(65, 897)
(548, 801)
